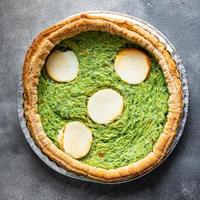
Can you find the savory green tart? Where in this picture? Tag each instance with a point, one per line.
(102, 97)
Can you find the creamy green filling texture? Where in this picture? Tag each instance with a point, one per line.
(133, 135)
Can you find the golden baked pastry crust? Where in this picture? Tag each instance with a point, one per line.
(35, 59)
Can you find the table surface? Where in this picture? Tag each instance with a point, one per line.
(23, 175)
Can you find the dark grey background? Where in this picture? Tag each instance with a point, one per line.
(23, 175)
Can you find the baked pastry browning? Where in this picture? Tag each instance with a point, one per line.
(35, 59)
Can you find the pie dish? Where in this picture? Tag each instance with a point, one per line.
(126, 35)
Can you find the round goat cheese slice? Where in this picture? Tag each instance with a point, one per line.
(132, 65)
(62, 66)
(105, 106)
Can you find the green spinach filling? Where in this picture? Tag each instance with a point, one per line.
(133, 135)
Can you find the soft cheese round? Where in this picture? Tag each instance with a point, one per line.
(75, 139)
(62, 66)
(105, 106)
(132, 65)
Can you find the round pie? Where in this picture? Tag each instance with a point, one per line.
(102, 97)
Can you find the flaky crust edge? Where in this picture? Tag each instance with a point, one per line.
(35, 59)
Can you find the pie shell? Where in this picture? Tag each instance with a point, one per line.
(35, 59)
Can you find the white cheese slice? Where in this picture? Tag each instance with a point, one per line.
(62, 66)
(132, 65)
(105, 106)
(75, 139)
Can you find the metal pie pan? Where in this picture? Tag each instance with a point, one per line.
(183, 77)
